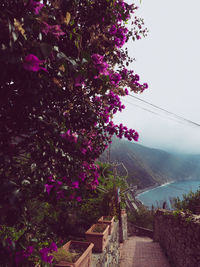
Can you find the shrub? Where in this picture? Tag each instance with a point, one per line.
(189, 202)
(142, 217)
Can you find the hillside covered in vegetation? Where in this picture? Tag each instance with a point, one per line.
(148, 167)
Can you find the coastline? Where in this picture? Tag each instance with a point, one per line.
(140, 191)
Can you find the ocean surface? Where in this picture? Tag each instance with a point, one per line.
(158, 195)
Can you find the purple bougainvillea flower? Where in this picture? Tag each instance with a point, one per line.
(136, 136)
(75, 184)
(53, 29)
(100, 65)
(97, 59)
(78, 199)
(145, 85)
(126, 91)
(44, 255)
(113, 30)
(102, 68)
(115, 78)
(29, 251)
(35, 6)
(48, 188)
(32, 63)
(53, 247)
(83, 151)
(51, 179)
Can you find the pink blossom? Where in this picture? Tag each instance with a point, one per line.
(53, 29)
(83, 151)
(29, 251)
(97, 59)
(32, 63)
(113, 30)
(75, 184)
(48, 188)
(126, 91)
(50, 179)
(53, 247)
(35, 6)
(44, 255)
(78, 199)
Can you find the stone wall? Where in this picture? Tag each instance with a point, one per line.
(179, 236)
(111, 255)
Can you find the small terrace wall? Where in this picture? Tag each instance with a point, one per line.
(179, 236)
(110, 257)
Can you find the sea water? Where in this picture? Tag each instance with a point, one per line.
(167, 192)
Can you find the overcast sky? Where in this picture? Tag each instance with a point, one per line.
(168, 59)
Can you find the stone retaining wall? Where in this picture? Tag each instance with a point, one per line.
(110, 257)
(179, 236)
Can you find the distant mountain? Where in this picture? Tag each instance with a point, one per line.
(148, 167)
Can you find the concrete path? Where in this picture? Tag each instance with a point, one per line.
(142, 252)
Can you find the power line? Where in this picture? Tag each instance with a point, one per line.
(146, 109)
(165, 111)
(159, 114)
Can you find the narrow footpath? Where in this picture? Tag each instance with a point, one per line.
(142, 252)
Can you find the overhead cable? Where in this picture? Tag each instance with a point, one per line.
(166, 111)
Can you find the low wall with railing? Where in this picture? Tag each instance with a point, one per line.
(139, 231)
(179, 236)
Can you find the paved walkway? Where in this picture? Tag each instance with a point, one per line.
(142, 252)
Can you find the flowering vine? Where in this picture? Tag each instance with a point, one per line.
(65, 71)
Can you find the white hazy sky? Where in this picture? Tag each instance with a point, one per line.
(168, 59)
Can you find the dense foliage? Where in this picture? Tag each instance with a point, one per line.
(143, 217)
(190, 202)
(63, 72)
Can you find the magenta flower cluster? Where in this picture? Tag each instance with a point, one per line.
(100, 65)
(69, 136)
(35, 6)
(44, 252)
(55, 30)
(123, 10)
(90, 174)
(115, 78)
(121, 130)
(119, 35)
(134, 82)
(32, 63)
(56, 185)
(114, 102)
